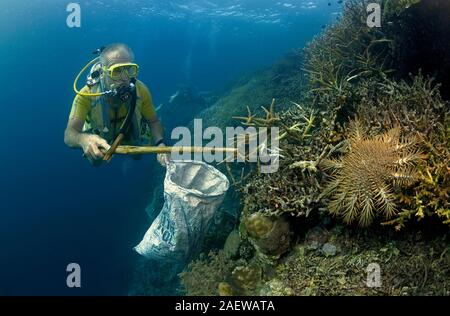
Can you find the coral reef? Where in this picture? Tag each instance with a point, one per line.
(365, 136)
(217, 274)
(421, 41)
(282, 81)
(270, 236)
(344, 54)
(294, 188)
(409, 265)
(396, 7)
(246, 278)
(419, 108)
(203, 277)
(364, 179)
(354, 73)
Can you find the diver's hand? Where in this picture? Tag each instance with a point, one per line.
(163, 159)
(94, 147)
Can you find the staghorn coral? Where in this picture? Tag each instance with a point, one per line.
(349, 68)
(356, 90)
(419, 108)
(431, 196)
(346, 53)
(293, 189)
(363, 179)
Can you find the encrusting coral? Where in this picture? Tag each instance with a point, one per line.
(270, 236)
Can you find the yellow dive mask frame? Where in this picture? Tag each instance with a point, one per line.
(115, 72)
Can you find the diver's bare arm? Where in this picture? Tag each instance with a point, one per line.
(93, 146)
(157, 130)
(73, 134)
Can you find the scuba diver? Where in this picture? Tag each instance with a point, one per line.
(113, 108)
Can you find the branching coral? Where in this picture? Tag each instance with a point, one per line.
(349, 69)
(294, 188)
(347, 52)
(376, 166)
(431, 196)
(419, 108)
(363, 179)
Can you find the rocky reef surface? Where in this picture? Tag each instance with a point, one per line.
(360, 204)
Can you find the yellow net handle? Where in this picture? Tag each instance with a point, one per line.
(126, 150)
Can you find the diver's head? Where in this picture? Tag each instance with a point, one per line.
(116, 53)
(117, 62)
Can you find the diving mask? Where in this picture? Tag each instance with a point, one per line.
(118, 71)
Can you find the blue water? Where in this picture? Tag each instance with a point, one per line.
(55, 208)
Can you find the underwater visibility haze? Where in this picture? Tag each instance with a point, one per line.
(57, 208)
(362, 182)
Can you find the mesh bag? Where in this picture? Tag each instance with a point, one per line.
(193, 191)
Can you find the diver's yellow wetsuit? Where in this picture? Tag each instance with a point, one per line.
(89, 109)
